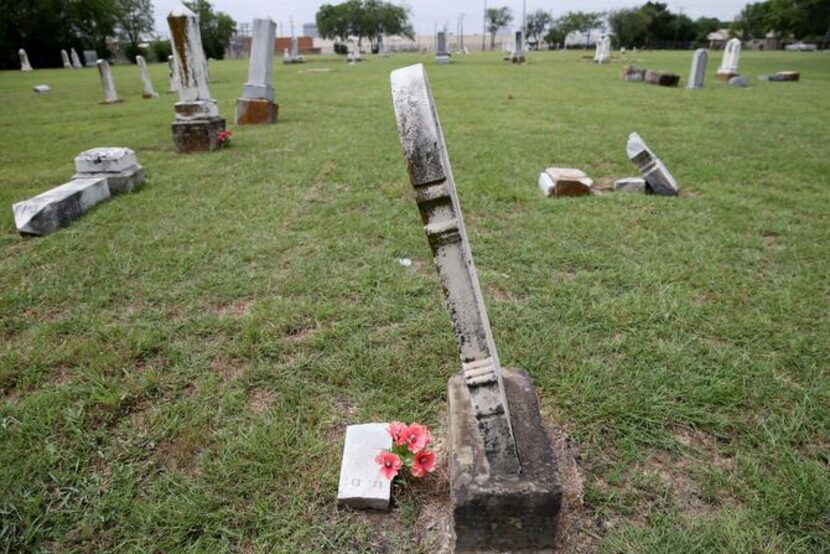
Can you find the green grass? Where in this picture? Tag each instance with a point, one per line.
(177, 367)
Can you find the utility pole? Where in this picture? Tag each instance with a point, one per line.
(484, 29)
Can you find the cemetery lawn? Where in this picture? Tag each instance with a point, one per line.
(177, 367)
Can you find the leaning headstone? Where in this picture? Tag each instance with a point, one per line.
(40, 89)
(257, 102)
(65, 58)
(76, 60)
(90, 58)
(442, 55)
(729, 65)
(197, 114)
(661, 78)
(564, 181)
(172, 74)
(56, 208)
(781, 76)
(518, 55)
(24, 60)
(658, 179)
(698, 69)
(499, 500)
(145, 78)
(738, 81)
(603, 52)
(110, 95)
(117, 165)
(630, 184)
(361, 484)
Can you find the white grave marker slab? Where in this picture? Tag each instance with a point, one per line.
(361, 484)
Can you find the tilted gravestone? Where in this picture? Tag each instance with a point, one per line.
(58, 207)
(197, 120)
(257, 103)
(698, 70)
(24, 60)
(504, 487)
(172, 74)
(729, 65)
(658, 179)
(148, 92)
(603, 52)
(76, 60)
(110, 95)
(65, 59)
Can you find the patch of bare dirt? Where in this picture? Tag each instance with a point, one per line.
(346, 411)
(500, 294)
(301, 331)
(239, 308)
(228, 368)
(260, 400)
(182, 451)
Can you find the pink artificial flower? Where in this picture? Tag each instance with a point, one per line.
(389, 464)
(423, 463)
(416, 437)
(396, 430)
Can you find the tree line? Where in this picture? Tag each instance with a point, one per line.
(44, 27)
(363, 19)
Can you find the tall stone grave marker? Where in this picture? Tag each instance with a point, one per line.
(24, 60)
(197, 115)
(65, 57)
(504, 487)
(76, 61)
(729, 65)
(518, 55)
(257, 102)
(110, 95)
(698, 69)
(658, 179)
(145, 79)
(442, 56)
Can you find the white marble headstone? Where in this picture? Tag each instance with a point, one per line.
(361, 483)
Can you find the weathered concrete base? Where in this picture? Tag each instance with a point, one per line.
(630, 184)
(58, 207)
(442, 60)
(255, 112)
(565, 181)
(119, 182)
(724, 76)
(198, 135)
(502, 513)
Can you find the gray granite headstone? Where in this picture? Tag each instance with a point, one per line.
(698, 70)
(442, 56)
(90, 58)
(361, 483)
(56, 208)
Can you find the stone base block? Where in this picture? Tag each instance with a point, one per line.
(119, 182)
(630, 73)
(198, 135)
(255, 112)
(442, 60)
(724, 76)
(502, 513)
(630, 184)
(565, 181)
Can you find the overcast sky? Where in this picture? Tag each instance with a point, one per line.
(426, 14)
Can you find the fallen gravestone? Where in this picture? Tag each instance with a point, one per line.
(24, 60)
(781, 76)
(40, 89)
(563, 181)
(729, 65)
(117, 165)
(110, 95)
(630, 184)
(257, 103)
(630, 73)
(698, 70)
(739, 81)
(148, 92)
(197, 121)
(56, 208)
(658, 179)
(361, 484)
(661, 78)
(499, 501)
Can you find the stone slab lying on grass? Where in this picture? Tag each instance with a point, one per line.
(49, 211)
(658, 179)
(564, 181)
(630, 184)
(117, 165)
(361, 484)
(630, 73)
(738, 81)
(40, 89)
(661, 78)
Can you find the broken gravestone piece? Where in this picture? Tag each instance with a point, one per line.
(564, 181)
(49, 211)
(631, 73)
(117, 165)
(738, 81)
(630, 184)
(500, 502)
(661, 78)
(361, 484)
(658, 179)
(40, 89)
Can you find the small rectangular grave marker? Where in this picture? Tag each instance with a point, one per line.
(361, 484)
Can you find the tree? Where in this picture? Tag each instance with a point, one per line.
(706, 25)
(369, 19)
(630, 27)
(335, 22)
(216, 28)
(537, 23)
(580, 22)
(497, 18)
(93, 21)
(135, 19)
